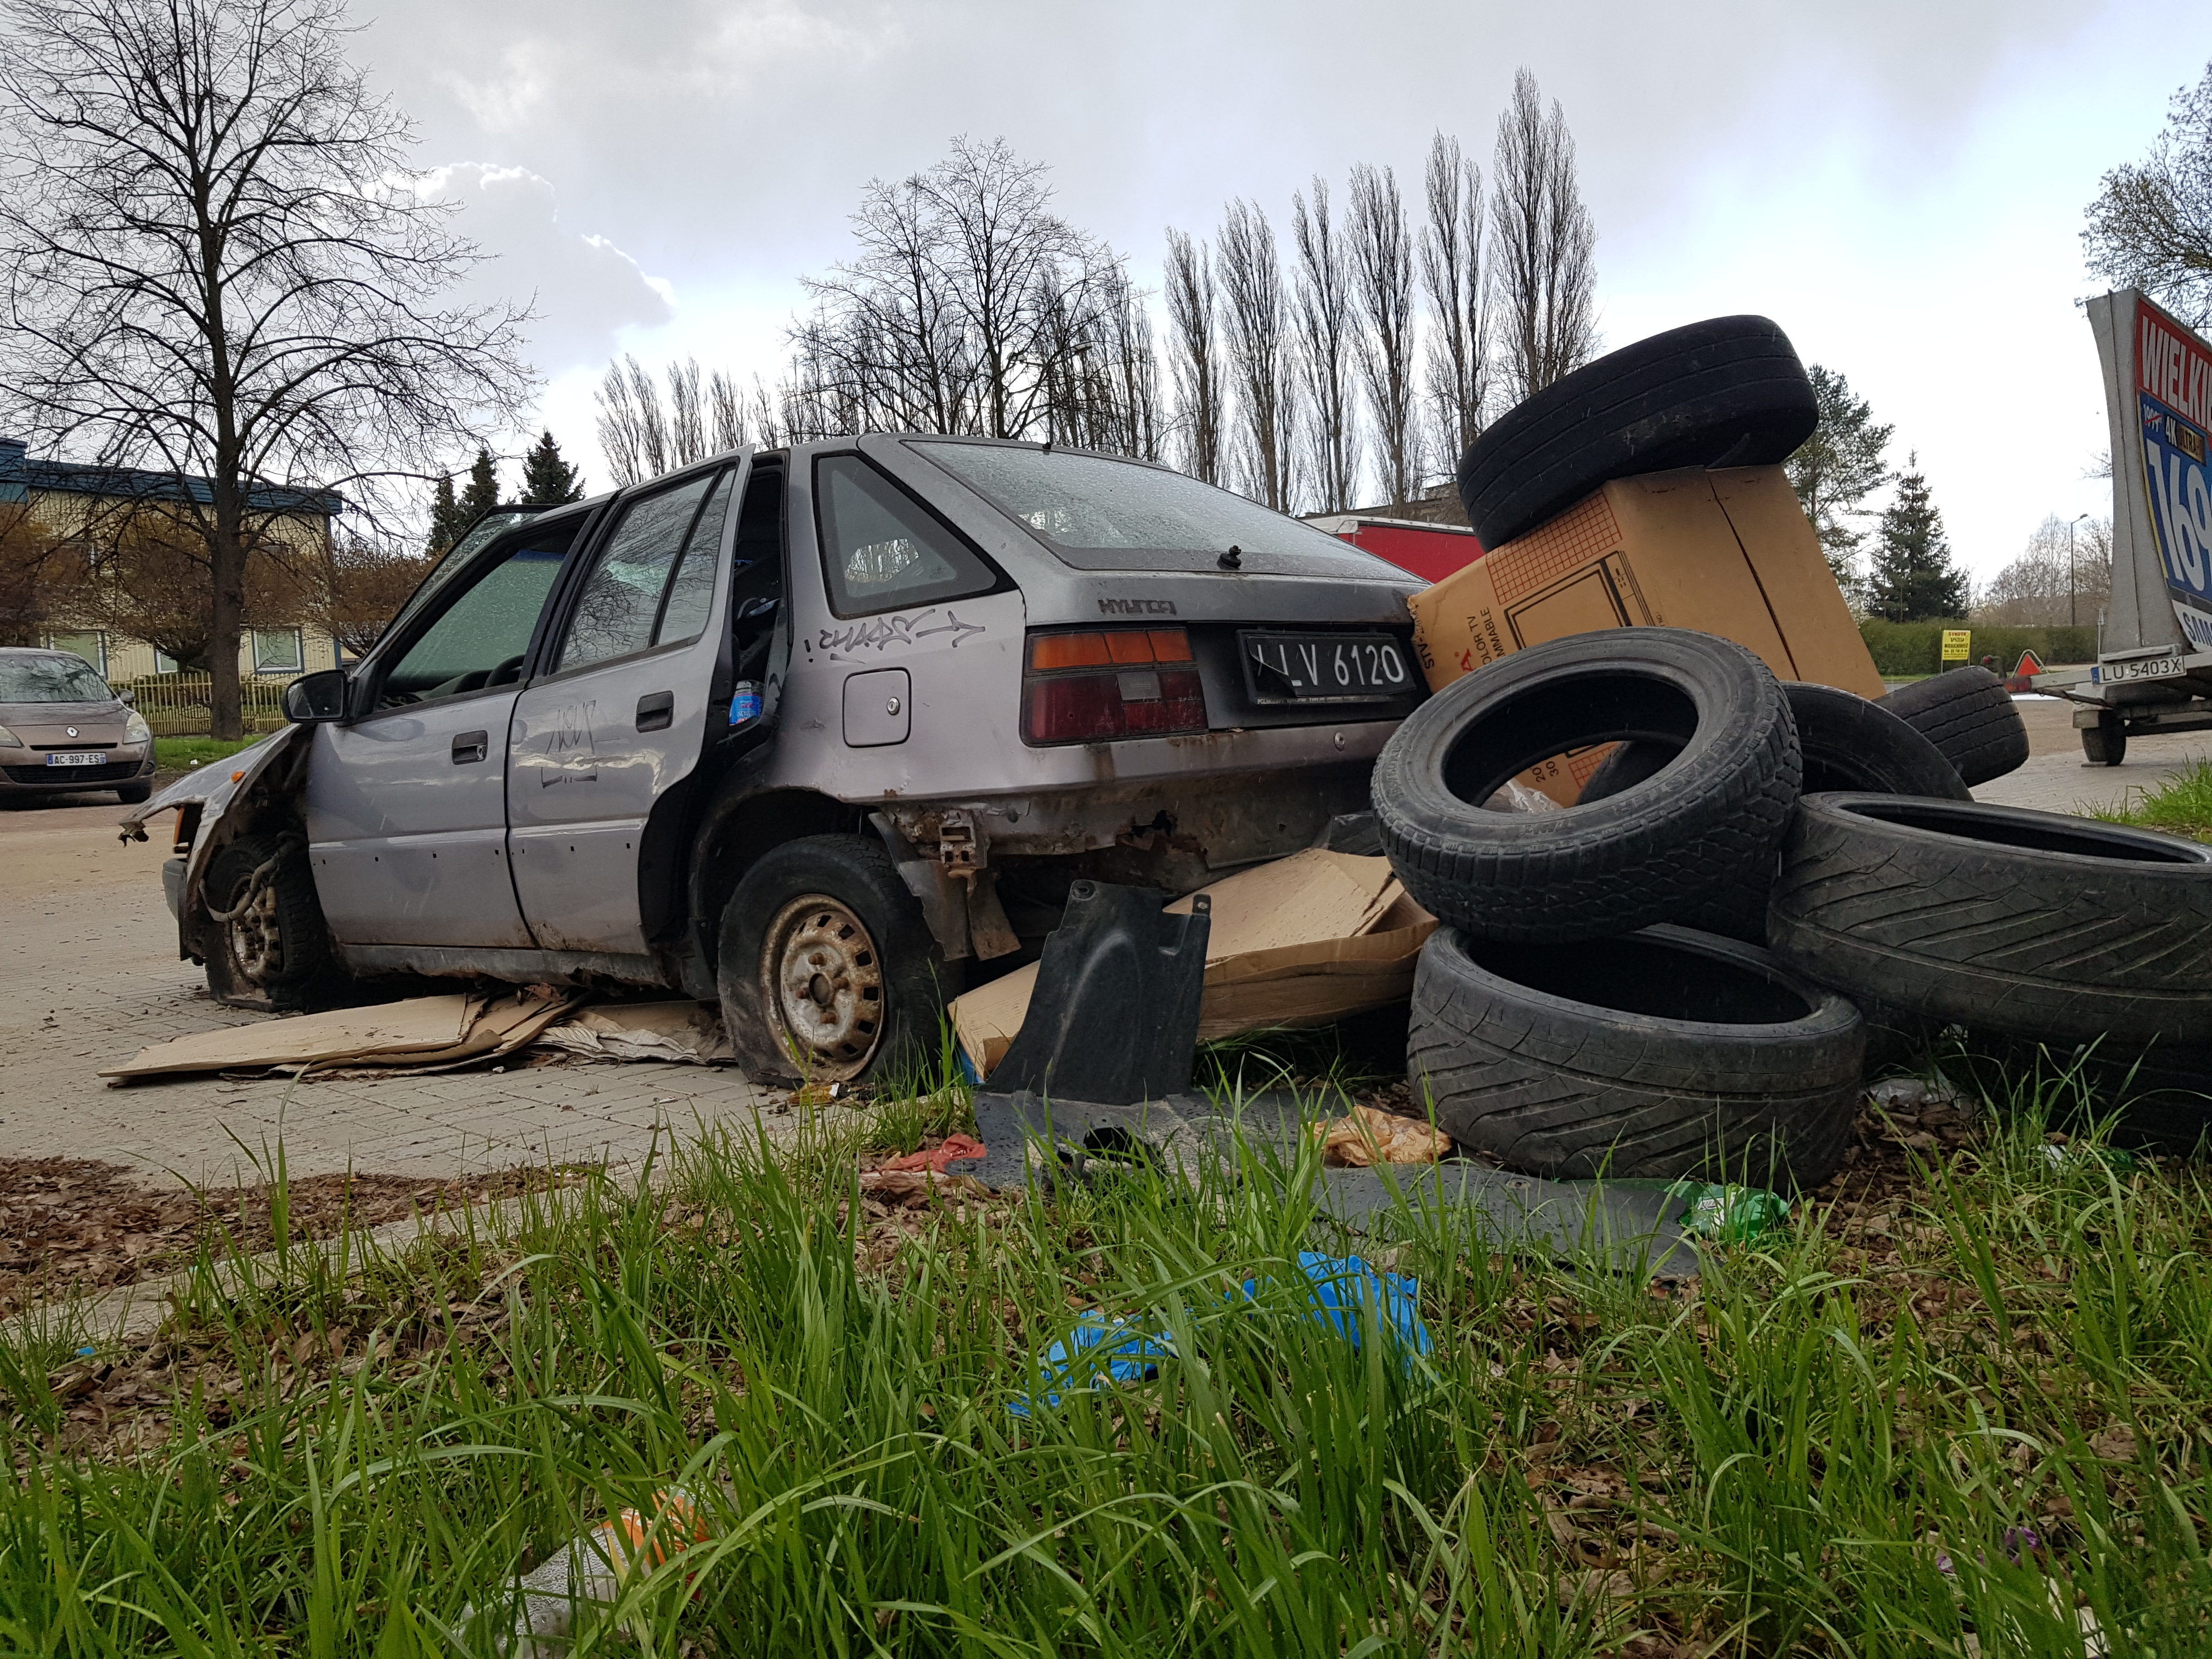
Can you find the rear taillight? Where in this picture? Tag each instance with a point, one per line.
(1109, 683)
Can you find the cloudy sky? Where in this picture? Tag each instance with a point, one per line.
(1899, 184)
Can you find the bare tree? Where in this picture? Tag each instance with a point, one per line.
(2151, 225)
(967, 310)
(1382, 277)
(620, 439)
(363, 584)
(1543, 245)
(2065, 576)
(1326, 331)
(218, 268)
(687, 414)
(1452, 271)
(1259, 351)
(1194, 355)
(728, 404)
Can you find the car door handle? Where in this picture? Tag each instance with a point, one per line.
(471, 746)
(655, 709)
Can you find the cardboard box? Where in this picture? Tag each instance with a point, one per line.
(1726, 552)
(1306, 940)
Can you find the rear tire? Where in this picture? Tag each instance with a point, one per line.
(1666, 1054)
(269, 947)
(827, 971)
(1969, 716)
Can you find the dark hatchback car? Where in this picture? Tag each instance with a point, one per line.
(63, 731)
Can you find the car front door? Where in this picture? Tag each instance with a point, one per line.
(407, 804)
(619, 712)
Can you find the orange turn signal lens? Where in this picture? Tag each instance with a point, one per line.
(1170, 645)
(1050, 651)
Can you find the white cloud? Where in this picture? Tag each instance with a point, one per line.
(585, 289)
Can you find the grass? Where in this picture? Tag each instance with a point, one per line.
(2183, 804)
(182, 754)
(1828, 1446)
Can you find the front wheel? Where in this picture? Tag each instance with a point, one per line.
(827, 969)
(265, 938)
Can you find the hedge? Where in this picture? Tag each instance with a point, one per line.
(1917, 647)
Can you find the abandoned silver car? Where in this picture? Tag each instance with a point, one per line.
(811, 732)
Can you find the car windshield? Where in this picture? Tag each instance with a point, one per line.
(1091, 505)
(51, 680)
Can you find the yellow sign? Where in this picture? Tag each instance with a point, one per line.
(1957, 645)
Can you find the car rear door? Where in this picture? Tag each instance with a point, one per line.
(619, 712)
(406, 806)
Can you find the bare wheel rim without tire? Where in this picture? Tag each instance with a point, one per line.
(255, 938)
(822, 978)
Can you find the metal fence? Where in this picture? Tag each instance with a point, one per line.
(178, 705)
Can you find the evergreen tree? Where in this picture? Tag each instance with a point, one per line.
(446, 520)
(1914, 576)
(1835, 469)
(482, 493)
(547, 480)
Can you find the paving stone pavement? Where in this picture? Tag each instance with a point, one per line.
(2056, 779)
(88, 971)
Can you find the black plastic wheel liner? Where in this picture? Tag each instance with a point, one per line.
(1113, 1016)
(1727, 392)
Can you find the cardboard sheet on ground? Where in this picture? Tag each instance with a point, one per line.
(1308, 940)
(686, 1032)
(418, 1034)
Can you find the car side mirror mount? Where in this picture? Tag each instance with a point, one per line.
(127, 697)
(316, 698)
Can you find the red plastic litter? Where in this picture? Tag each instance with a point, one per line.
(955, 1148)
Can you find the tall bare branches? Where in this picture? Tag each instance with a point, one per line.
(973, 306)
(1544, 245)
(1327, 331)
(216, 264)
(1254, 314)
(2151, 225)
(1383, 279)
(1194, 355)
(1455, 275)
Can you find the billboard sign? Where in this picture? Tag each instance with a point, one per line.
(2159, 383)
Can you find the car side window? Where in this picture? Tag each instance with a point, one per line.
(882, 550)
(654, 576)
(483, 635)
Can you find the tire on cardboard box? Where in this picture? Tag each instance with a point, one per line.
(1666, 1055)
(1969, 716)
(1588, 872)
(1727, 392)
(2027, 924)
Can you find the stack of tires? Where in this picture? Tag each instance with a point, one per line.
(1672, 977)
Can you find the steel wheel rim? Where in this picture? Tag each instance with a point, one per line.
(822, 981)
(256, 940)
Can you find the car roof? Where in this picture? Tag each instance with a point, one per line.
(36, 651)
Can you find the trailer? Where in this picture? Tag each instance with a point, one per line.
(2154, 668)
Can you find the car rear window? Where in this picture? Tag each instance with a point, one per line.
(51, 680)
(1099, 513)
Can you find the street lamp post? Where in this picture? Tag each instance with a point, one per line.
(2073, 616)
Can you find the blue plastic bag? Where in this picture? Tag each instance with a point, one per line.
(1100, 1352)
